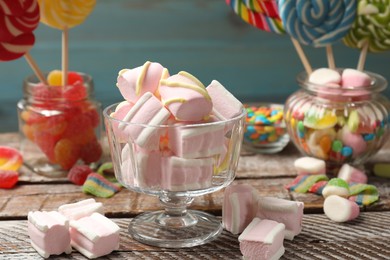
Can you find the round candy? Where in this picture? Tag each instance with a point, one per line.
(372, 25)
(266, 19)
(17, 17)
(317, 22)
(10, 159)
(62, 14)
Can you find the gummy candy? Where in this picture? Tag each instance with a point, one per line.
(10, 159)
(66, 153)
(8, 179)
(79, 173)
(91, 152)
(54, 78)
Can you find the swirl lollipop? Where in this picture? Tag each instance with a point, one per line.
(63, 15)
(18, 20)
(371, 29)
(318, 22)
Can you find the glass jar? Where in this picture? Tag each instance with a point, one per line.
(59, 126)
(338, 124)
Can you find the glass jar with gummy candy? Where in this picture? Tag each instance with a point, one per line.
(59, 126)
(338, 124)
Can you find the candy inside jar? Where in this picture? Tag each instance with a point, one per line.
(338, 116)
(60, 126)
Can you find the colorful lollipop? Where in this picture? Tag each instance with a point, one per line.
(263, 16)
(371, 29)
(18, 20)
(62, 15)
(318, 22)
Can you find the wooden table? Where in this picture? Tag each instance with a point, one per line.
(366, 237)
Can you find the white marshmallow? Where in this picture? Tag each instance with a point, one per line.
(340, 209)
(80, 209)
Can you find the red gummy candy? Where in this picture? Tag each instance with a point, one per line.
(74, 77)
(66, 153)
(74, 92)
(91, 152)
(46, 143)
(79, 173)
(8, 179)
(43, 92)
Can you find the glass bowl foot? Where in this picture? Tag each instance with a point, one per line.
(159, 229)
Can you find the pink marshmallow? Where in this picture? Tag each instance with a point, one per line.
(309, 165)
(133, 83)
(147, 110)
(239, 207)
(94, 236)
(355, 78)
(127, 171)
(225, 105)
(355, 141)
(290, 213)
(262, 240)
(340, 209)
(149, 169)
(197, 141)
(49, 233)
(351, 174)
(80, 209)
(180, 174)
(325, 77)
(185, 97)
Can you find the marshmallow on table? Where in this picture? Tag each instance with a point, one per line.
(340, 209)
(225, 105)
(262, 239)
(133, 83)
(94, 235)
(309, 165)
(49, 233)
(197, 141)
(239, 207)
(185, 97)
(288, 212)
(80, 209)
(336, 186)
(351, 174)
(148, 110)
(180, 174)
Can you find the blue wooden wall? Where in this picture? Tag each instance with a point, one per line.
(202, 37)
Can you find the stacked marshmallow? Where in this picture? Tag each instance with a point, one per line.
(264, 222)
(180, 158)
(80, 225)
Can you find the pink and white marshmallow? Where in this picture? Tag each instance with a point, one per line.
(225, 105)
(290, 213)
(148, 110)
(340, 209)
(49, 233)
(239, 207)
(181, 174)
(185, 97)
(325, 77)
(351, 174)
(309, 165)
(94, 236)
(80, 209)
(262, 240)
(355, 78)
(133, 83)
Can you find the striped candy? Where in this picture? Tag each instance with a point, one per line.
(372, 25)
(266, 18)
(317, 22)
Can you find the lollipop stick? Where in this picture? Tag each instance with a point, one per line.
(363, 56)
(35, 67)
(65, 56)
(302, 56)
(330, 56)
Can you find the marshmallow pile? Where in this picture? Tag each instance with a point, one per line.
(264, 222)
(177, 130)
(80, 225)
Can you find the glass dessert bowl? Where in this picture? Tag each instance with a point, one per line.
(346, 124)
(175, 163)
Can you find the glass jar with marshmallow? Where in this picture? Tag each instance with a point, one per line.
(339, 116)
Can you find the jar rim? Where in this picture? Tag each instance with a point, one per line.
(378, 83)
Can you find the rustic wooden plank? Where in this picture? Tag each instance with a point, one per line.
(363, 238)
